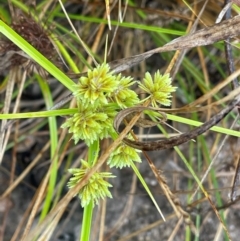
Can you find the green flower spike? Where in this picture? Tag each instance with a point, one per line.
(122, 156)
(95, 189)
(87, 125)
(159, 88)
(97, 86)
(123, 95)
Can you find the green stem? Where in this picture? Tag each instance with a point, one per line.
(54, 144)
(87, 221)
(88, 210)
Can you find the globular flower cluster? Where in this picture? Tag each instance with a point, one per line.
(100, 95)
(122, 156)
(95, 189)
(96, 88)
(89, 125)
(159, 88)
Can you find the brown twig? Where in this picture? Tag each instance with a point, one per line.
(176, 140)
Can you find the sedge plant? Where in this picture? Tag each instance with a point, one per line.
(99, 96)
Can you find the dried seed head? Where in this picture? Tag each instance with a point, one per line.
(34, 34)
